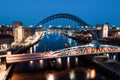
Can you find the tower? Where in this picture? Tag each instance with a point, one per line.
(105, 30)
(18, 31)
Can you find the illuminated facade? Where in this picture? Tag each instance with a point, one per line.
(105, 30)
(18, 31)
(102, 30)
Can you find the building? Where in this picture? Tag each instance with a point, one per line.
(5, 41)
(102, 30)
(105, 30)
(98, 30)
(4, 30)
(6, 37)
(18, 31)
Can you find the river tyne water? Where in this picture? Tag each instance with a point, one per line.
(39, 70)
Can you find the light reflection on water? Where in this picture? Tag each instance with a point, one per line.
(68, 62)
(41, 63)
(53, 41)
(72, 75)
(31, 63)
(76, 60)
(39, 70)
(68, 74)
(91, 74)
(50, 76)
(59, 62)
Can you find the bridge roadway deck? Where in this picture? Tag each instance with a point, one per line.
(72, 51)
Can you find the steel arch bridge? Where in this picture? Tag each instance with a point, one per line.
(74, 18)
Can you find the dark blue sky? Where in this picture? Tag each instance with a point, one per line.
(33, 11)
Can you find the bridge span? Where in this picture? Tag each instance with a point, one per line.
(67, 52)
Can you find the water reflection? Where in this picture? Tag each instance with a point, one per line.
(68, 62)
(91, 74)
(76, 61)
(72, 75)
(41, 63)
(70, 41)
(54, 41)
(59, 63)
(31, 63)
(41, 70)
(36, 72)
(50, 76)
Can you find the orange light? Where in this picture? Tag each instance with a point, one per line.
(92, 74)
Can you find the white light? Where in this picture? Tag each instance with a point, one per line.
(31, 63)
(76, 60)
(68, 62)
(40, 25)
(31, 50)
(70, 41)
(34, 48)
(31, 26)
(72, 75)
(50, 77)
(59, 60)
(41, 63)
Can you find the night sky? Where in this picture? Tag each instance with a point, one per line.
(31, 12)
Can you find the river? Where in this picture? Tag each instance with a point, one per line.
(35, 70)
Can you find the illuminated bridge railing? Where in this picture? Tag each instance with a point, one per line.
(86, 50)
(72, 51)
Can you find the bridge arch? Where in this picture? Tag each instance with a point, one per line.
(65, 16)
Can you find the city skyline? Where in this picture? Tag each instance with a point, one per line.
(33, 11)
